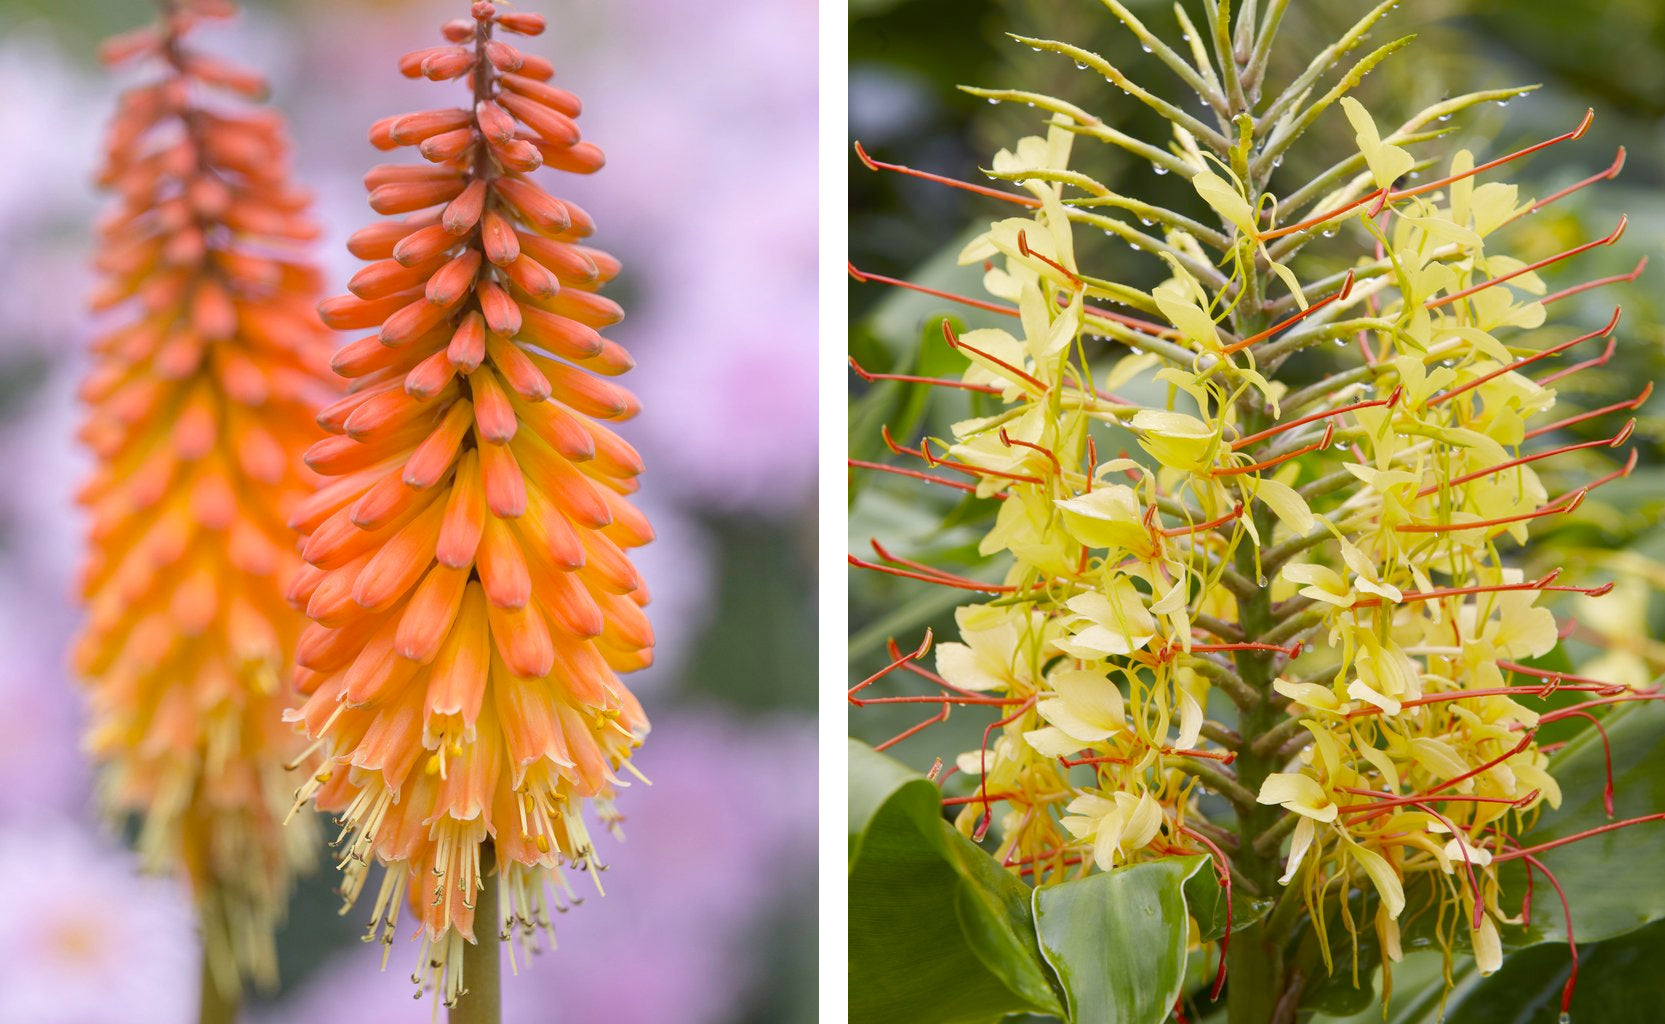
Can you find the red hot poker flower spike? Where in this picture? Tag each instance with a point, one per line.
(471, 599)
(197, 409)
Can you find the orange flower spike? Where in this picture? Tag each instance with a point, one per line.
(471, 598)
(198, 410)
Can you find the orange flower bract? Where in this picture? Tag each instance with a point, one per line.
(197, 415)
(471, 598)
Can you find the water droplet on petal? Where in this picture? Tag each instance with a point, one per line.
(1146, 221)
(993, 100)
(1443, 117)
(1135, 246)
(1328, 232)
(1136, 350)
(1145, 47)
(1503, 103)
(1080, 65)
(1159, 169)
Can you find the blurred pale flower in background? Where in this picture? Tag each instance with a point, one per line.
(709, 200)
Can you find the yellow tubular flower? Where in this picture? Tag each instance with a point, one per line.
(198, 411)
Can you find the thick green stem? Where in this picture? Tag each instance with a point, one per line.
(215, 1006)
(482, 1000)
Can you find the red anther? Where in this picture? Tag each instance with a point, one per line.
(954, 342)
(864, 277)
(1235, 513)
(1008, 441)
(985, 588)
(1618, 232)
(1630, 404)
(917, 475)
(1641, 265)
(1255, 467)
(1559, 677)
(993, 193)
(1554, 507)
(1094, 759)
(1604, 442)
(1222, 756)
(869, 375)
(1528, 360)
(1390, 401)
(1607, 175)
(1383, 195)
(1346, 289)
(918, 653)
(1023, 247)
(1092, 461)
(936, 766)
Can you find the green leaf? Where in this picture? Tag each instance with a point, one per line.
(1612, 885)
(939, 933)
(1619, 982)
(1116, 940)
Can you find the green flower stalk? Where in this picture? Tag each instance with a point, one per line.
(1297, 597)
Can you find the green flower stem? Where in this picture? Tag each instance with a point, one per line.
(215, 1007)
(482, 1001)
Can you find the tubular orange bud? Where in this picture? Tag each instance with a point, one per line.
(450, 282)
(473, 494)
(424, 244)
(548, 95)
(197, 414)
(410, 129)
(551, 124)
(524, 23)
(498, 238)
(583, 158)
(502, 313)
(405, 196)
(450, 64)
(448, 146)
(495, 122)
(464, 212)
(467, 349)
(537, 207)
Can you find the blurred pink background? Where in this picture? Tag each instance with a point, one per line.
(707, 114)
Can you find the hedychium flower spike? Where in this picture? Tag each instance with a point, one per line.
(197, 414)
(1327, 558)
(471, 598)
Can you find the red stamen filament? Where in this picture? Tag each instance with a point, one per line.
(1527, 360)
(1009, 441)
(1485, 524)
(1607, 175)
(1237, 346)
(1576, 837)
(993, 307)
(896, 663)
(1235, 513)
(1255, 467)
(1023, 247)
(1641, 264)
(916, 475)
(1382, 195)
(1222, 870)
(1530, 267)
(1273, 431)
(1631, 405)
(983, 588)
(1605, 442)
(943, 382)
(982, 190)
(1430, 595)
(954, 342)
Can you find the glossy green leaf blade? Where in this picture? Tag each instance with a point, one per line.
(1619, 982)
(1116, 940)
(939, 933)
